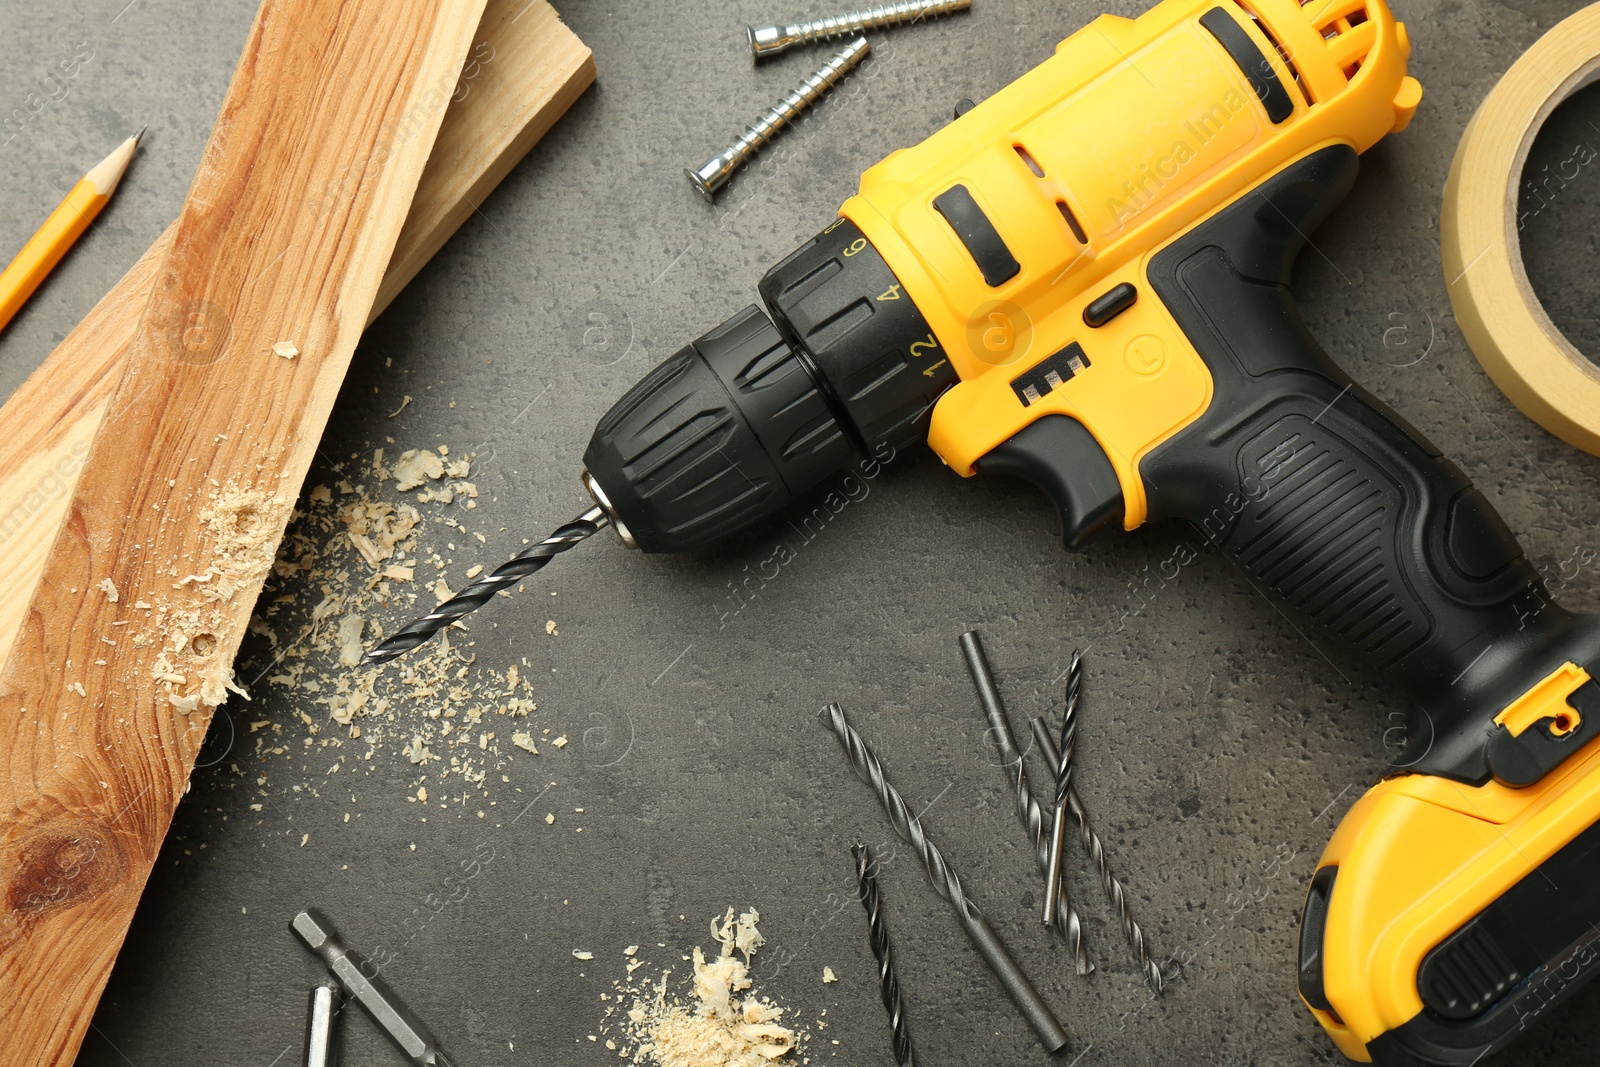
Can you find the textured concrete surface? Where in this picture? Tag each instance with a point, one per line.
(1218, 747)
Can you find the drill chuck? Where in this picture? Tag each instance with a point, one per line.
(746, 419)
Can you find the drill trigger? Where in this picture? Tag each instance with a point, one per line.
(1060, 456)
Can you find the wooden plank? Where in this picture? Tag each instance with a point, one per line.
(530, 73)
(524, 71)
(130, 636)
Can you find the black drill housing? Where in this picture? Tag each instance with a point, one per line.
(739, 423)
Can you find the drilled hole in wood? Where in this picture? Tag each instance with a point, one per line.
(204, 644)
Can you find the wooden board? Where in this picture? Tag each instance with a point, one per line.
(130, 636)
(525, 69)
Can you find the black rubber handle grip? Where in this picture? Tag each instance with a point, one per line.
(1334, 508)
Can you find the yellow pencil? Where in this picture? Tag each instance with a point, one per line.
(64, 226)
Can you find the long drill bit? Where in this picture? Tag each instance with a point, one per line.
(1028, 810)
(888, 983)
(1115, 895)
(948, 885)
(474, 596)
(1063, 767)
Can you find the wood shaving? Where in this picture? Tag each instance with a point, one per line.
(828, 977)
(216, 682)
(722, 1024)
(350, 648)
(416, 466)
(738, 934)
(524, 740)
(441, 494)
(286, 349)
(580, 954)
(109, 588)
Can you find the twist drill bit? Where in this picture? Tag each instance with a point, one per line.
(362, 984)
(714, 173)
(1063, 767)
(770, 40)
(1115, 895)
(888, 984)
(947, 884)
(474, 596)
(1028, 809)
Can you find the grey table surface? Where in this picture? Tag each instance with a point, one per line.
(1218, 747)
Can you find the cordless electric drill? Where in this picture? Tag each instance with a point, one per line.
(1083, 281)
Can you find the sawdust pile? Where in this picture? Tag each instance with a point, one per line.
(190, 668)
(723, 1024)
(380, 545)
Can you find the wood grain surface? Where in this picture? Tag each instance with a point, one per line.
(524, 70)
(270, 274)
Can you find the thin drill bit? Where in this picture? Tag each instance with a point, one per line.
(888, 984)
(1028, 809)
(1115, 895)
(362, 984)
(770, 40)
(474, 596)
(947, 884)
(714, 173)
(1063, 767)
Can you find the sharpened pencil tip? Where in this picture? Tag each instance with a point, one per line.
(140, 135)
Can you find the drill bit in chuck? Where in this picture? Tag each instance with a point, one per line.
(362, 984)
(1028, 809)
(528, 561)
(770, 40)
(946, 883)
(888, 983)
(1115, 894)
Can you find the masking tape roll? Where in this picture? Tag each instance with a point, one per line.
(1504, 323)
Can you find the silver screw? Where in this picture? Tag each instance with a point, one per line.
(715, 172)
(770, 40)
